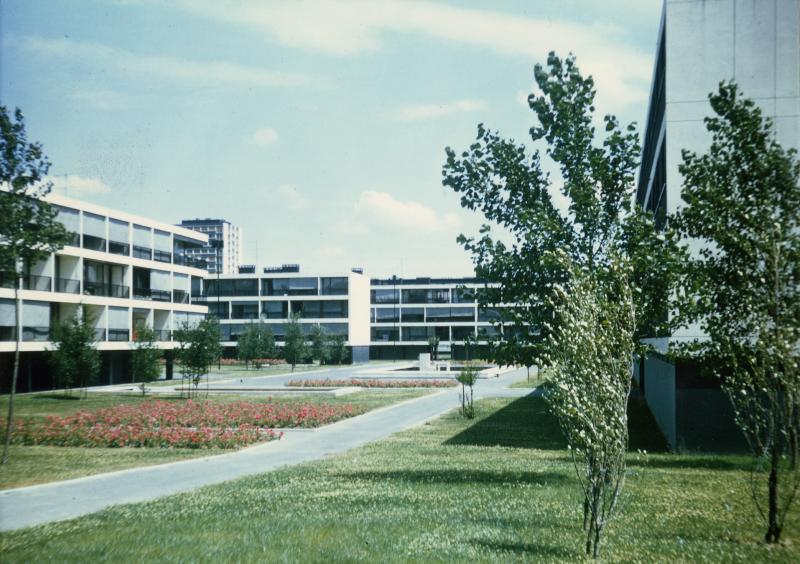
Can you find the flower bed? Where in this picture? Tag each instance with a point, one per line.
(372, 383)
(187, 424)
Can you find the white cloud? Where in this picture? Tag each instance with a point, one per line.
(102, 57)
(344, 28)
(382, 210)
(264, 137)
(415, 112)
(74, 185)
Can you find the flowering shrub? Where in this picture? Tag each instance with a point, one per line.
(261, 361)
(373, 383)
(182, 425)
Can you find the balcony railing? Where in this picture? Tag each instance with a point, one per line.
(94, 243)
(36, 282)
(32, 333)
(150, 294)
(163, 335)
(118, 335)
(180, 296)
(118, 248)
(104, 289)
(142, 252)
(8, 333)
(162, 256)
(68, 285)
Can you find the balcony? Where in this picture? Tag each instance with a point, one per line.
(118, 248)
(30, 333)
(99, 334)
(68, 286)
(162, 256)
(142, 252)
(150, 294)
(162, 335)
(36, 282)
(180, 296)
(118, 335)
(104, 289)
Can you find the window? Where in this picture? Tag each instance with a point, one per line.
(461, 333)
(35, 321)
(118, 237)
(385, 334)
(414, 296)
(142, 242)
(8, 321)
(118, 324)
(244, 310)
(489, 314)
(462, 314)
(412, 314)
(275, 310)
(290, 286)
(334, 286)
(218, 309)
(438, 314)
(160, 286)
(94, 232)
(387, 315)
(385, 296)
(464, 295)
(415, 333)
(162, 244)
(71, 220)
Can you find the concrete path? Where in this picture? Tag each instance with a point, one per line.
(34, 505)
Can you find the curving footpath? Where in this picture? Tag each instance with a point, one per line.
(57, 501)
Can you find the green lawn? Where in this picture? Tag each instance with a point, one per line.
(497, 488)
(30, 465)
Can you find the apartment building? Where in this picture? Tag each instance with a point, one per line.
(406, 313)
(339, 302)
(123, 269)
(223, 251)
(700, 43)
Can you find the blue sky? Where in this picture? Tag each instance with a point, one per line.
(319, 127)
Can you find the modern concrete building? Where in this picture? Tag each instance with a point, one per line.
(123, 269)
(223, 252)
(339, 302)
(700, 43)
(405, 313)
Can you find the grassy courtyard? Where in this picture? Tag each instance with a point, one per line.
(497, 488)
(38, 464)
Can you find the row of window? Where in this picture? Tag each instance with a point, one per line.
(109, 235)
(307, 309)
(433, 314)
(232, 331)
(423, 296)
(333, 286)
(423, 333)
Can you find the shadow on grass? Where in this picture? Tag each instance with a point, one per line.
(526, 549)
(39, 397)
(527, 423)
(699, 462)
(473, 477)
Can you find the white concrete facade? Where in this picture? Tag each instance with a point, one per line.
(126, 270)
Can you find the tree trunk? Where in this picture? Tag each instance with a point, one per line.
(596, 551)
(774, 530)
(15, 373)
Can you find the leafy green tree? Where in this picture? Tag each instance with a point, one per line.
(295, 349)
(145, 357)
(743, 287)
(266, 343)
(319, 344)
(549, 247)
(74, 356)
(467, 378)
(29, 231)
(198, 348)
(433, 346)
(336, 349)
(247, 347)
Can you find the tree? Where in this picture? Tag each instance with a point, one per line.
(29, 231)
(549, 248)
(590, 352)
(742, 200)
(145, 357)
(336, 349)
(256, 343)
(247, 348)
(198, 348)
(294, 349)
(319, 344)
(74, 356)
(467, 378)
(433, 346)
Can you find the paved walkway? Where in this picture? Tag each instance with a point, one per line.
(25, 507)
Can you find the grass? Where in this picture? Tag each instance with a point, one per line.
(497, 488)
(224, 372)
(29, 465)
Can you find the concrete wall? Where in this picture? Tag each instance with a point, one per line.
(358, 314)
(660, 395)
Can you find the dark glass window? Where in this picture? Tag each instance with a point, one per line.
(275, 310)
(244, 310)
(218, 310)
(319, 309)
(462, 314)
(488, 314)
(438, 314)
(387, 315)
(385, 334)
(415, 333)
(463, 295)
(411, 314)
(385, 296)
(290, 287)
(461, 333)
(333, 286)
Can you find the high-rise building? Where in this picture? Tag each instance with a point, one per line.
(223, 253)
(701, 43)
